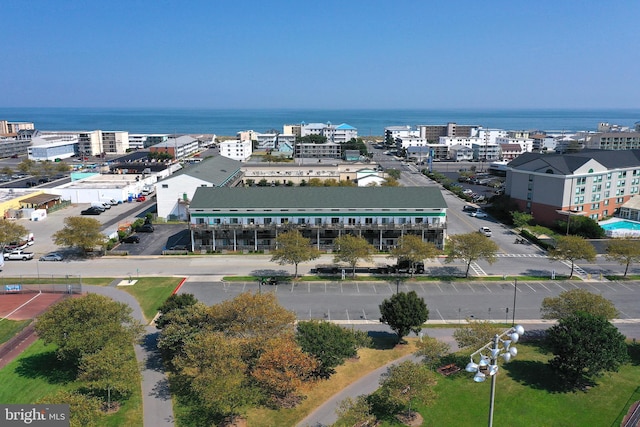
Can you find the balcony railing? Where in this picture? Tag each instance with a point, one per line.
(331, 226)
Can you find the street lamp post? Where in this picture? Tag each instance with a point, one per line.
(488, 362)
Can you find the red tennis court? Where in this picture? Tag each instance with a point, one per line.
(27, 305)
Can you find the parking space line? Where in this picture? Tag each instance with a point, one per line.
(622, 284)
(439, 314)
(529, 286)
(610, 287)
(470, 287)
(374, 289)
(357, 287)
(364, 314)
(454, 287)
(558, 285)
(308, 287)
(487, 288)
(423, 289)
(341, 288)
(348, 320)
(438, 285)
(542, 284)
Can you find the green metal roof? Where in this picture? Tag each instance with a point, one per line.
(215, 170)
(318, 197)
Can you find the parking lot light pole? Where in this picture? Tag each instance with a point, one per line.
(488, 360)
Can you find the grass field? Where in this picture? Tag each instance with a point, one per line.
(8, 328)
(527, 394)
(151, 293)
(37, 373)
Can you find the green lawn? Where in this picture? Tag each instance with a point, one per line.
(37, 373)
(8, 328)
(527, 395)
(151, 293)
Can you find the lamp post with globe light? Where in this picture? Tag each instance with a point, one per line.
(488, 362)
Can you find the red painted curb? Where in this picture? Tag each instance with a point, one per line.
(184, 279)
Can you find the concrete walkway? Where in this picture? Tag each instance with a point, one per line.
(156, 399)
(325, 415)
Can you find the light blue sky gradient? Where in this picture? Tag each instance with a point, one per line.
(320, 54)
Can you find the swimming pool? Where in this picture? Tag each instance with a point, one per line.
(621, 225)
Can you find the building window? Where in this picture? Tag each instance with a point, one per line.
(622, 174)
(335, 220)
(165, 185)
(595, 206)
(581, 181)
(620, 200)
(606, 202)
(529, 196)
(594, 216)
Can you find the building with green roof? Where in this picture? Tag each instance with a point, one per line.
(251, 218)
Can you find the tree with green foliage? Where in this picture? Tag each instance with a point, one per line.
(404, 313)
(624, 251)
(432, 351)
(312, 139)
(84, 411)
(213, 375)
(572, 248)
(475, 334)
(84, 326)
(83, 233)
(355, 412)
(521, 219)
(27, 166)
(394, 173)
(390, 182)
(174, 302)
(355, 144)
(113, 369)
(181, 326)
(11, 231)
(413, 249)
(293, 248)
(406, 383)
(585, 346)
(581, 226)
(351, 249)
(470, 247)
(331, 344)
(577, 300)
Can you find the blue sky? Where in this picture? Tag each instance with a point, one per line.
(327, 54)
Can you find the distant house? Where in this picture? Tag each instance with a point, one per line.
(352, 155)
(174, 193)
(510, 151)
(461, 153)
(369, 177)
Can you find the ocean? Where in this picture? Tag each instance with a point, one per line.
(367, 121)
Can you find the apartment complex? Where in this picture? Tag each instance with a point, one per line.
(593, 183)
(251, 218)
(97, 142)
(178, 147)
(12, 128)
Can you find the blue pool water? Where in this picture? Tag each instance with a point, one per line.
(621, 225)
